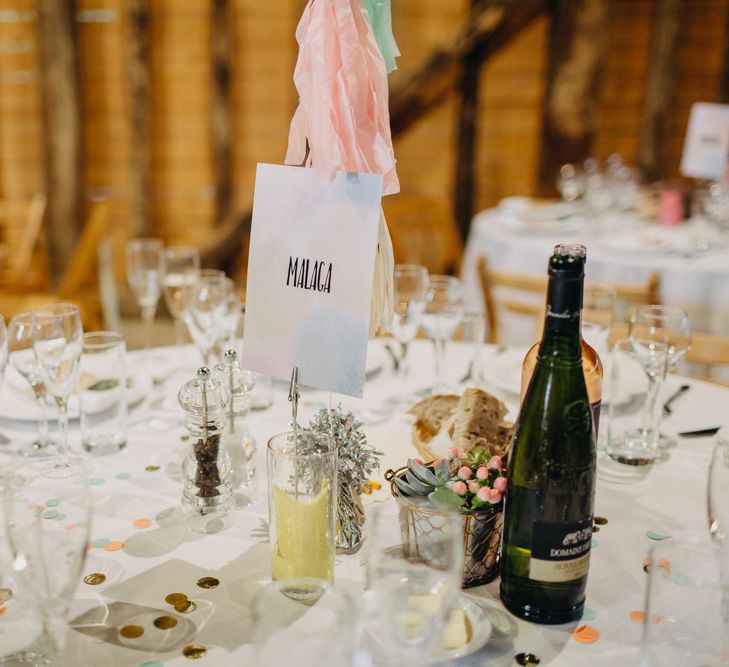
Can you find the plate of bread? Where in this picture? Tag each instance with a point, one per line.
(474, 418)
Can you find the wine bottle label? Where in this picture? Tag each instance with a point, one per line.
(560, 551)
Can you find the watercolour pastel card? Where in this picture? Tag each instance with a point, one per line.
(706, 148)
(310, 272)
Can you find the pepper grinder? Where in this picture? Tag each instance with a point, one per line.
(207, 491)
(237, 439)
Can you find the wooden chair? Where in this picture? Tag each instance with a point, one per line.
(77, 285)
(524, 295)
(23, 222)
(423, 232)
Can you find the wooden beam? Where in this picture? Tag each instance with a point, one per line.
(221, 38)
(489, 28)
(723, 92)
(61, 112)
(139, 75)
(578, 30)
(464, 190)
(665, 32)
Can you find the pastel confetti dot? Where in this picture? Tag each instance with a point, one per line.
(97, 481)
(3, 610)
(123, 475)
(70, 526)
(594, 542)
(151, 663)
(637, 616)
(114, 546)
(50, 514)
(665, 564)
(52, 502)
(101, 543)
(657, 535)
(589, 615)
(682, 580)
(586, 634)
(142, 523)
(61, 516)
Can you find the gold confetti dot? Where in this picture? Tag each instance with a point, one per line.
(94, 579)
(186, 607)
(194, 651)
(596, 529)
(600, 520)
(176, 598)
(165, 622)
(208, 582)
(151, 468)
(184, 437)
(131, 631)
(6, 594)
(375, 485)
(527, 659)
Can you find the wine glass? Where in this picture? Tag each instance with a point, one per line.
(570, 182)
(668, 325)
(718, 492)
(207, 310)
(443, 307)
(180, 266)
(47, 514)
(23, 359)
(143, 274)
(410, 588)
(58, 342)
(410, 287)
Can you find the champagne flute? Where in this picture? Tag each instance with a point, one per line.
(57, 343)
(143, 274)
(207, 309)
(23, 359)
(3, 348)
(570, 183)
(668, 325)
(443, 308)
(48, 542)
(180, 268)
(410, 287)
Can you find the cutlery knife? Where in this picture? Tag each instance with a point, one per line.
(681, 390)
(700, 433)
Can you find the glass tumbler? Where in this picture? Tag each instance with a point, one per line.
(638, 368)
(302, 501)
(686, 611)
(103, 392)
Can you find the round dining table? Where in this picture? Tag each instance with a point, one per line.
(136, 504)
(690, 259)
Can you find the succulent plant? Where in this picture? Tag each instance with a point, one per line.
(422, 480)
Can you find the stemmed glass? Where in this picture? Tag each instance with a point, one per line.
(23, 359)
(180, 269)
(443, 308)
(143, 273)
(410, 287)
(57, 342)
(718, 493)
(668, 325)
(47, 513)
(410, 589)
(3, 348)
(207, 310)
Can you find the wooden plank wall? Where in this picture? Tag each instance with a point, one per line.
(182, 197)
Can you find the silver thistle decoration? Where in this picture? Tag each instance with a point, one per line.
(356, 463)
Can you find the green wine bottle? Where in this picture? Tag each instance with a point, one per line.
(551, 481)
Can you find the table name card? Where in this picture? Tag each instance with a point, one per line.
(310, 271)
(706, 148)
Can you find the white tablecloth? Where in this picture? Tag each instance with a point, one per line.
(164, 558)
(698, 283)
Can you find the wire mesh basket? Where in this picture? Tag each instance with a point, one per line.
(481, 534)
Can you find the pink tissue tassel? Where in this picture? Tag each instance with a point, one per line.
(342, 122)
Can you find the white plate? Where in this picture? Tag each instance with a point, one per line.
(480, 629)
(503, 370)
(17, 401)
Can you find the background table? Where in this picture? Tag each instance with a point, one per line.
(164, 558)
(698, 283)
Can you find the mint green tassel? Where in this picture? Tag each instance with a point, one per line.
(380, 12)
